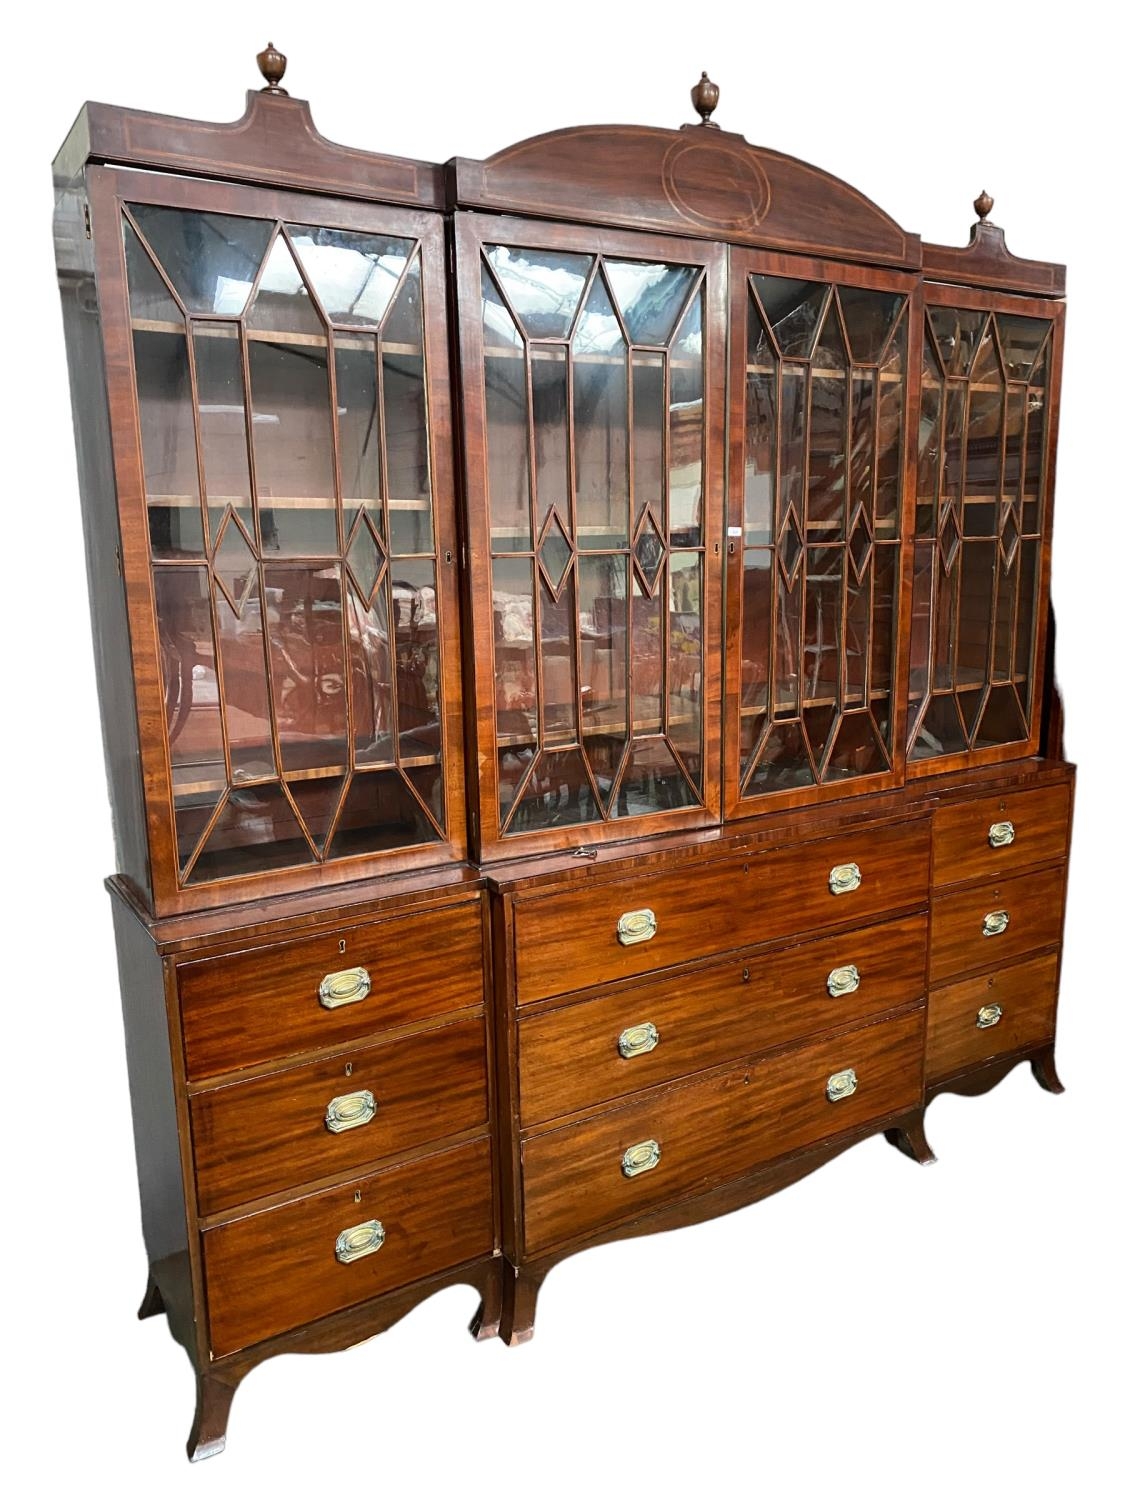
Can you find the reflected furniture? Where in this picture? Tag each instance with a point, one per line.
(574, 638)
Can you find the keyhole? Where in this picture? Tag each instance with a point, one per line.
(746, 976)
(347, 1070)
(448, 556)
(343, 944)
(991, 982)
(358, 1196)
(1003, 806)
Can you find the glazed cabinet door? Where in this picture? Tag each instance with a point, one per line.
(819, 492)
(280, 417)
(990, 368)
(592, 365)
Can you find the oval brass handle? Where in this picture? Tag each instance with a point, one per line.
(636, 927)
(840, 1085)
(1001, 833)
(642, 1157)
(995, 923)
(634, 1041)
(359, 1240)
(348, 1111)
(344, 987)
(988, 1015)
(844, 878)
(843, 981)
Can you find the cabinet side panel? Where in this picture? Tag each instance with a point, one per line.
(151, 1089)
(112, 651)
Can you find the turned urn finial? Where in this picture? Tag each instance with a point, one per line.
(271, 65)
(983, 206)
(705, 99)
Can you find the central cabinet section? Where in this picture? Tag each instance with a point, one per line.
(593, 368)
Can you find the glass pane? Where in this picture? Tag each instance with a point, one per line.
(920, 620)
(756, 592)
(869, 317)
(793, 309)
(761, 431)
(405, 420)
(556, 635)
(863, 444)
(505, 395)
(983, 443)
(1027, 624)
(685, 661)
(550, 402)
(951, 453)
(513, 624)
(282, 303)
(357, 423)
(366, 557)
(974, 653)
(648, 435)
(787, 644)
(306, 646)
(792, 440)
(222, 422)
(317, 798)
(685, 460)
(828, 447)
(892, 396)
(354, 275)
(1033, 465)
(1002, 722)
(192, 716)
(857, 633)
(941, 732)
(955, 332)
(653, 781)
(417, 660)
(557, 794)
(602, 583)
(245, 690)
(1013, 442)
(543, 287)
(293, 449)
(856, 750)
(823, 606)
(929, 444)
(1021, 340)
(369, 668)
(646, 677)
(211, 259)
(831, 352)
(601, 420)
(783, 762)
(255, 831)
(380, 812)
(651, 297)
(883, 638)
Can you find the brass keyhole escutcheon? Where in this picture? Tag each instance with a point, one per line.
(746, 976)
(358, 1196)
(348, 1066)
(343, 944)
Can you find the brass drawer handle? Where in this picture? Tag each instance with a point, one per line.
(843, 981)
(636, 927)
(1001, 834)
(989, 1015)
(359, 1240)
(642, 1157)
(844, 878)
(634, 1041)
(344, 987)
(349, 1111)
(840, 1085)
(995, 923)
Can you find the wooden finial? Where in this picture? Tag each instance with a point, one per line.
(983, 206)
(271, 65)
(705, 99)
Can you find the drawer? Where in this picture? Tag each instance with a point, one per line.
(572, 1059)
(266, 1003)
(571, 941)
(278, 1269)
(985, 925)
(993, 836)
(997, 1012)
(264, 1136)
(574, 1179)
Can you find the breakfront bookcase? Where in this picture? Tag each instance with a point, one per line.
(574, 638)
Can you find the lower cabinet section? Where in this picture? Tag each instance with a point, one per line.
(980, 1018)
(286, 1266)
(614, 1166)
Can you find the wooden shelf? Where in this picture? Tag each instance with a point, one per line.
(558, 356)
(860, 372)
(280, 502)
(210, 330)
(217, 781)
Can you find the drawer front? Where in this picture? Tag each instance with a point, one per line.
(274, 1133)
(601, 931)
(993, 836)
(985, 925)
(279, 1269)
(994, 1013)
(574, 1179)
(266, 1003)
(666, 1028)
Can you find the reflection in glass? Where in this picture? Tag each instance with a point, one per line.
(354, 275)
(602, 584)
(357, 425)
(828, 446)
(601, 423)
(955, 333)
(761, 431)
(823, 583)
(506, 411)
(192, 714)
(550, 407)
(256, 830)
(793, 309)
(892, 396)
(306, 652)
(783, 762)
(380, 811)
(646, 674)
(856, 750)
(543, 287)
(651, 297)
(652, 781)
(648, 435)
(557, 646)
(1021, 340)
(685, 661)
(792, 440)
(317, 799)
(293, 449)
(869, 316)
(756, 593)
(370, 676)
(513, 626)
(211, 259)
(222, 422)
(685, 417)
(417, 659)
(405, 419)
